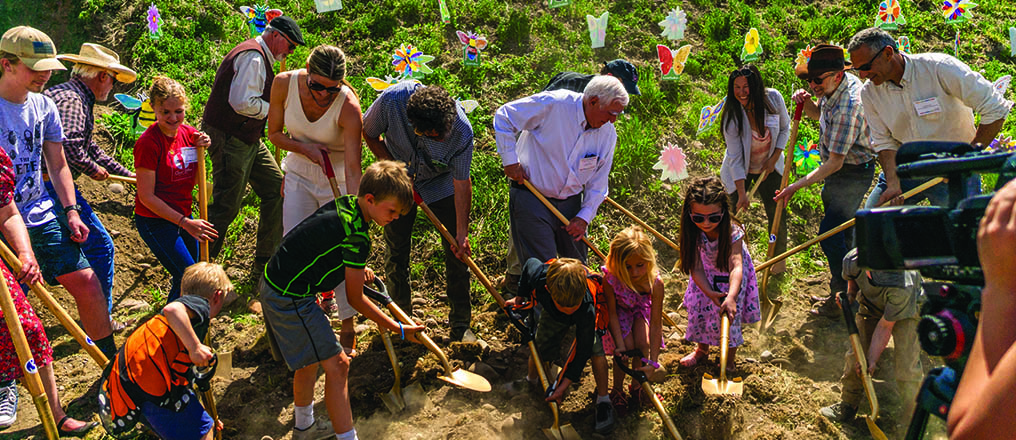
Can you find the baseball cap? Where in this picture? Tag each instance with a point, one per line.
(625, 71)
(32, 47)
(289, 28)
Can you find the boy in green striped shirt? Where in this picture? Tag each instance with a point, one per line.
(330, 246)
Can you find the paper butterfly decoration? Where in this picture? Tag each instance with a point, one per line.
(140, 107)
(153, 20)
(381, 84)
(672, 61)
(803, 57)
(410, 62)
(806, 157)
(1001, 85)
(327, 5)
(558, 3)
(889, 17)
(1002, 143)
(903, 43)
(752, 49)
(469, 105)
(956, 44)
(258, 17)
(673, 163)
(709, 114)
(957, 11)
(598, 29)
(673, 25)
(446, 15)
(474, 44)
(1012, 41)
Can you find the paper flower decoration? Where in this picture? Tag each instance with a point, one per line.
(258, 17)
(672, 61)
(446, 15)
(153, 21)
(474, 44)
(889, 15)
(598, 29)
(1002, 143)
(806, 157)
(469, 104)
(1012, 41)
(410, 62)
(673, 163)
(673, 25)
(709, 114)
(803, 56)
(903, 43)
(327, 5)
(1001, 85)
(957, 11)
(752, 49)
(558, 3)
(140, 108)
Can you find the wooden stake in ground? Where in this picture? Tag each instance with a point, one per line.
(56, 309)
(27, 361)
(202, 201)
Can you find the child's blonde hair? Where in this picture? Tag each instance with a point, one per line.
(203, 279)
(566, 281)
(164, 88)
(631, 242)
(705, 191)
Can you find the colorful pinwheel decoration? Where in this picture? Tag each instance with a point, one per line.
(673, 163)
(673, 26)
(672, 61)
(752, 49)
(890, 16)
(474, 44)
(957, 11)
(803, 56)
(806, 157)
(598, 28)
(410, 62)
(258, 17)
(903, 44)
(154, 21)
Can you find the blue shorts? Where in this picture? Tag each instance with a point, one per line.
(191, 423)
(56, 253)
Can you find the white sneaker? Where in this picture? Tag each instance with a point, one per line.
(8, 404)
(320, 430)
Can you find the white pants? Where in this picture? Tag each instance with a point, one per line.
(306, 189)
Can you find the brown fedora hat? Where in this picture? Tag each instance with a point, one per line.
(99, 56)
(824, 58)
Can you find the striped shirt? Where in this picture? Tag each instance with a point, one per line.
(842, 126)
(314, 255)
(448, 159)
(74, 100)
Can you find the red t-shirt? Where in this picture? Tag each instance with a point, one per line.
(175, 163)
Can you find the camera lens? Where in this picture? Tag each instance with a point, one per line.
(945, 334)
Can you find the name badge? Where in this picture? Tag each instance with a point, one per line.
(928, 106)
(587, 163)
(189, 154)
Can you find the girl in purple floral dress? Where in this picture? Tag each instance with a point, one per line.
(722, 276)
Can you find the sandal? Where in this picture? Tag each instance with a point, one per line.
(74, 432)
(693, 358)
(620, 401)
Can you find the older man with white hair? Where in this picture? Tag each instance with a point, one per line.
(563, 143)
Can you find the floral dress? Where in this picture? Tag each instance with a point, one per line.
(703, 314)
(630, 305)
(42, 352)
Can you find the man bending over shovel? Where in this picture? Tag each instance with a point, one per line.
(327, 248)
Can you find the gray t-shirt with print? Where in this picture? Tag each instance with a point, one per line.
(23, 129)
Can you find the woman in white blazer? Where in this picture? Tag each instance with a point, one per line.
(755, 126)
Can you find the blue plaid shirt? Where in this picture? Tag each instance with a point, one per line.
(842, 126)
(450, 158)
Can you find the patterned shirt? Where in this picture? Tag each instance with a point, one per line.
(75, 100)
(313, 256)
(432, 164)
(841, 124)
(24, 130)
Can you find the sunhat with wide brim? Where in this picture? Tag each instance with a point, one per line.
(99, 56)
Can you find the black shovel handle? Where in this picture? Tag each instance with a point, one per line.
(848, 313)
(638, 375)
(203, 375)
(381, 296)
(516, 319)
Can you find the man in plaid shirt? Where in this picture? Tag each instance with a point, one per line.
(95, 70)
(848, 165)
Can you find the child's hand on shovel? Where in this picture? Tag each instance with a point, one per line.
(559, 392)
(412, 332)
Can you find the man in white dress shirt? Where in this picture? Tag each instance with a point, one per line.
(563, 143)
(921, 97)
(235, 118)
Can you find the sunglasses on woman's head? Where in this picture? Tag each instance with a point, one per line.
(321, 88)
(742, 72)
(713, 218)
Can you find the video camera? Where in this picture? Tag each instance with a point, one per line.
(940, 242)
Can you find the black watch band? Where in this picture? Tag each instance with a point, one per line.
(74, 207)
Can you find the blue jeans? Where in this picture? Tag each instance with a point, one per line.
(98, 248)
(172, 245)
(937, 195)
(842, 194)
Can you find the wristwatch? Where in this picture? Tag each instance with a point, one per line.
(74, 207)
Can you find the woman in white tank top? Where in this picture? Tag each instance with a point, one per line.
(321, 115)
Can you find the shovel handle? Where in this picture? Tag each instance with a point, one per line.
(561, 217)
(387, 340)
(125, 179)
(642, 223)
(202, 201)
(725, 341)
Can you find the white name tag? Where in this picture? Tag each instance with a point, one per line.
(587, 163)
(189, 154)
(926, 107)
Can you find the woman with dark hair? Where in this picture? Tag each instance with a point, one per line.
(755, 126)
(321, 115)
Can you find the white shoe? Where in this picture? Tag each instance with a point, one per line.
(8, 404)
(320, 430)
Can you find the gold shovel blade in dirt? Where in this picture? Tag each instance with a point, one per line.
(455, 376)
(560, 432)
(393, 400)
(712, 386)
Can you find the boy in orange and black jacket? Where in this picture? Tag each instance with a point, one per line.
(566, 290)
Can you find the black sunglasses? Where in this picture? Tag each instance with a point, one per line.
(867, 66)
(321, 88)
(820, 79)
(713, 218)
(742, 72)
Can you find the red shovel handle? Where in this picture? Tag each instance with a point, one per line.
(416, 197)
(329, 171)
(798, 109)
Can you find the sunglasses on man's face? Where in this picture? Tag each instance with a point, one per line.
(820, 79)
(321, 88)
(867, 66)
(712, 218)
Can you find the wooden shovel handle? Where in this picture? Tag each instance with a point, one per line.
(125, 179)
(642, 223)
(202, 201)
(330, 173)
(561, 217)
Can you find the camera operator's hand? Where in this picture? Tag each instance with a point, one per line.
(996, 241)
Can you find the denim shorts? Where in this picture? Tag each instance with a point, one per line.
(191, 423)
(56, 253)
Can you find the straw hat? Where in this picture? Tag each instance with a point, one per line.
(98, 56)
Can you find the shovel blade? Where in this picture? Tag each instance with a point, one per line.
(466, 379)
(553, 433)
(569, 433)
(712, 387)
(225, 368)
(876, 433)
(394, 401)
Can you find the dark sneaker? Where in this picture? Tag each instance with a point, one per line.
(8, 404)
(839, 412)
(605, 418)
